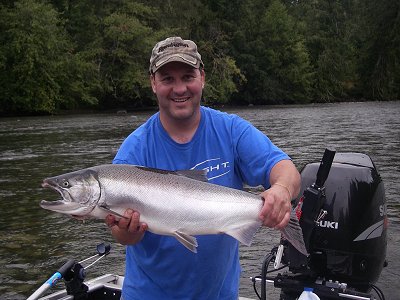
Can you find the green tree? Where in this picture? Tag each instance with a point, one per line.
(286, 58)
(202, 23)
(272, 55)
(331, 39)
(67, 54)
(115, 39)
(127, 46)
(379, 66)
(222, 74)
(36, 59)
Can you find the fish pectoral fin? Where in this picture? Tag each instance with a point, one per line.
(245, 233)
(186, 240)
(107, 209)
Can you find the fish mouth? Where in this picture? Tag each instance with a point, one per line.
(63, 205)
(80, 192)
(60, 206)
(65, 197)
(45, 203)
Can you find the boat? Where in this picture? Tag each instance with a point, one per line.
(342, 213)
(108, 287)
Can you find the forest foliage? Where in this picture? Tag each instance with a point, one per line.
(78, 54)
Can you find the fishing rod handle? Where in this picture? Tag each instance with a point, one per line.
(53, 279)
(66, 267)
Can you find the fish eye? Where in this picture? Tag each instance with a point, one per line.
(65, 183)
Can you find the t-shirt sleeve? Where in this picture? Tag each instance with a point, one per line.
(129, 151)
(255, 154)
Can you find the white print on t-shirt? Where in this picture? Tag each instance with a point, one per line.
(215, 167)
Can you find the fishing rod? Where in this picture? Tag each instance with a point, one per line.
(73, 273)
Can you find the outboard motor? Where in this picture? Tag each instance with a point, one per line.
(342, 212)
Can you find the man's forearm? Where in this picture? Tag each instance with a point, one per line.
(285, 174)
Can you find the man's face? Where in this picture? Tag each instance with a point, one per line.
(178, 88)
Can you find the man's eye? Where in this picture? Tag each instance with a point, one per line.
(188, 77)
(166, 79)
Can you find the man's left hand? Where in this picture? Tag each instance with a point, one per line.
(277, 207)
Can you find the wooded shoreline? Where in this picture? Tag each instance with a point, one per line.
(58, 56)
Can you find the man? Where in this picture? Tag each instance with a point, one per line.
(186, 135)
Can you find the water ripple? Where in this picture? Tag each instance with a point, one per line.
(35, 243)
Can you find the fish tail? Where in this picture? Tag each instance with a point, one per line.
(294, 234)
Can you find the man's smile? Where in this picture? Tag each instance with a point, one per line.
(180, 100)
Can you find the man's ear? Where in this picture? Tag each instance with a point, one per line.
(203, 77)
(153, 83)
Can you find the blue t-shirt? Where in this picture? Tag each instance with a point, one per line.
(233, 152)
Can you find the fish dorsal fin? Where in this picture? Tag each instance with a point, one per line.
(200, 175)
(186, 240)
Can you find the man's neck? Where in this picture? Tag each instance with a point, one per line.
(181, 131)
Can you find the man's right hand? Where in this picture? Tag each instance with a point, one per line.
(129, 230)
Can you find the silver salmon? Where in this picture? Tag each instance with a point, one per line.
(180, 204)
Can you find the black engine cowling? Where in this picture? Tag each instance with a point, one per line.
(348, 244)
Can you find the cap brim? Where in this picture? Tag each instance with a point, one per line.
(187, 59)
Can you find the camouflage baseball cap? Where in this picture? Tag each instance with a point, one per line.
(174, 49)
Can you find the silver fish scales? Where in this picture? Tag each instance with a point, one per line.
(180, 204)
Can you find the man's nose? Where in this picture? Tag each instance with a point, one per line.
(180, 87)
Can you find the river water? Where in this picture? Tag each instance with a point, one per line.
(34, 243)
